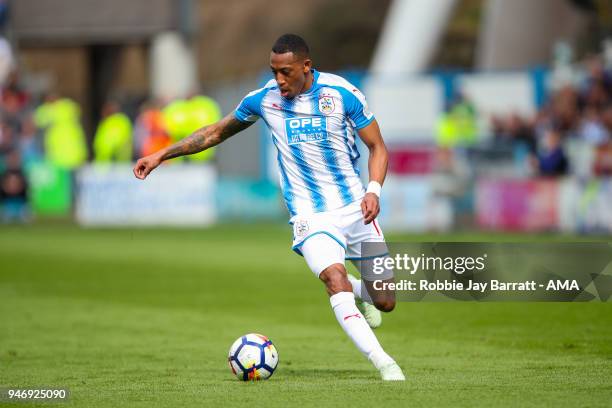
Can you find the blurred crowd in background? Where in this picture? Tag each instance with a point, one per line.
(48, 129)
(521, 141)
(576, 111)
(581, 111)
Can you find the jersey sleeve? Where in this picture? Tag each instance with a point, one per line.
(248, 110)
(356, 108)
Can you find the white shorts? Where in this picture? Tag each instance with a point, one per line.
(331, 237)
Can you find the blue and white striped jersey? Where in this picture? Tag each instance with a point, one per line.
(314, 134)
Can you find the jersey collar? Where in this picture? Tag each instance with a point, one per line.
(315, 76)
(315, 79)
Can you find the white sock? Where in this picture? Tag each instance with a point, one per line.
(355, 326)
(356, 284)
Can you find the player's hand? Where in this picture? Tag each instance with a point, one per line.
(146, 165)
(369, 207)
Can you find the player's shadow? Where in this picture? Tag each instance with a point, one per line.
(331, 373)
(292, 374)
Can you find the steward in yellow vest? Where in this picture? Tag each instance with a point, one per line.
(113, 139)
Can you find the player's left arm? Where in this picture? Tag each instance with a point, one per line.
(377, 167)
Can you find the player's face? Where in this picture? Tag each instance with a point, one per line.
(290, 73)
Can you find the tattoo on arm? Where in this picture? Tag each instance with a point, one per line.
(206, 137)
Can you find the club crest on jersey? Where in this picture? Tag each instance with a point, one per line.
(301, 228)
(326, 105)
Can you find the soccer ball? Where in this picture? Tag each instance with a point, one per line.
(253, 357)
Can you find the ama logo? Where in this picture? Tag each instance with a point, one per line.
(305, 130)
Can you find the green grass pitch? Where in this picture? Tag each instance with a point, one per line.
(144, 318)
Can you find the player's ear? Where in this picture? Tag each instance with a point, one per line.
(307, 65)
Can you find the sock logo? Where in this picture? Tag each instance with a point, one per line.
(353, 315)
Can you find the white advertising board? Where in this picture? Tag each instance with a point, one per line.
(176, 194)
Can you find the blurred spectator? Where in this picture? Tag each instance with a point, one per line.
(14, 190)
(451, 173)
(602, 165)
(580, 112)
(597, 86)
(7, 138)
(150, 133)
(11, 110)
(113, 139)
(498, 128)
(592, 129)
(13, 102)
(7, 60)
(14, 89)
(551, 160)
(458, 125)
(515, 131)
(451, 179)
(29, 143)
(564, 109)
(596, 96)
(606, 119)
(177, 119)
(64, 139)
(184, 116)
(204, 111)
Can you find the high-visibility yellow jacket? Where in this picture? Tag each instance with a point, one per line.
(183, 117)
(113, 139)
(64, 139)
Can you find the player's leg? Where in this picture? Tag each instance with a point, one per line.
(364, 302)
(325, 257)
(382, 299)
(363, 257)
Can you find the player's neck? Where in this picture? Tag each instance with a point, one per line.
(308, 83)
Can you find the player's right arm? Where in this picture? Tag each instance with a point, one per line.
(202, 139)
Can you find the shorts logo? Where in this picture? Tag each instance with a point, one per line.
(301, 228)
(326, 105)
(304, 130)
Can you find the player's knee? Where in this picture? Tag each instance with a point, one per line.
(385, 305)
(335, 279)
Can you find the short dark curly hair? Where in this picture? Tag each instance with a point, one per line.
(291, 43)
